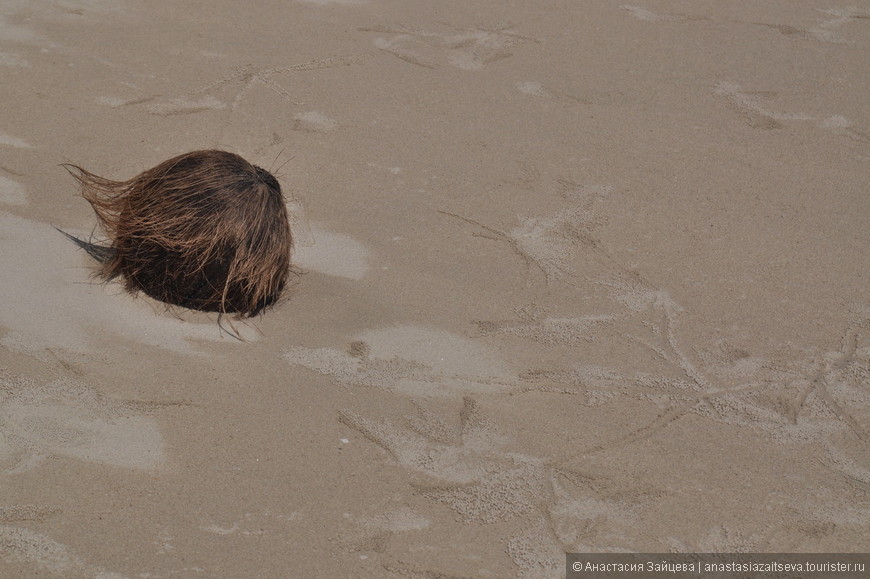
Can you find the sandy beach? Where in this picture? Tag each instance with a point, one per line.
(573, 277)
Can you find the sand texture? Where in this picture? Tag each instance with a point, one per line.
(575, 276)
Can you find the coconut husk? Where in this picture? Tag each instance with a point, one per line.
(205, 230)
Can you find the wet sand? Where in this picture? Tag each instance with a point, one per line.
(574, 277)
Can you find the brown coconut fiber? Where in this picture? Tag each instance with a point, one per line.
(205, 230)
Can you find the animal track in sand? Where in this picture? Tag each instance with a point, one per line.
(245, 77)
(827, 30)
(548, 243)
(464, 48)
(467, 465)
(749, 106)
(745, 390)
(838, 381)
(235, 86)
(468, 468)
(185, 106)
(432, 448)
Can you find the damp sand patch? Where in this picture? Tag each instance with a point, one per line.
(58, 305)
(410, 359)
(69, 419)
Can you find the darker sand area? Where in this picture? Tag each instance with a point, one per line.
(579, 276)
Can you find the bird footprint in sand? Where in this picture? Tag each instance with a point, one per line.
(467, 469)
(468, 49)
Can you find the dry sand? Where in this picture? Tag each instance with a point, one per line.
(579, 276)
